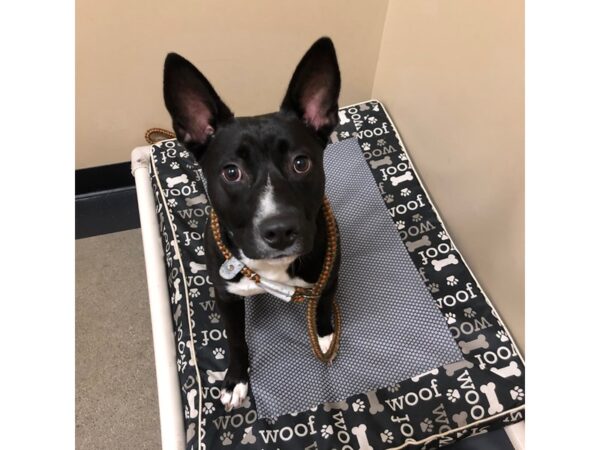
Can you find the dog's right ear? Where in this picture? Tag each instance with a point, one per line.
(196, 109)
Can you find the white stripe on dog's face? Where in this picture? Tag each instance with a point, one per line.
(267, 206)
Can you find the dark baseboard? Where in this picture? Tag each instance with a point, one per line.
(492, 440)
(103, 178)
(105, 200)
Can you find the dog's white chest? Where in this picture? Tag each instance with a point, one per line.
(274, 270)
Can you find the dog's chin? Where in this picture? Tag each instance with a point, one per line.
(263, 253)
(277, 257)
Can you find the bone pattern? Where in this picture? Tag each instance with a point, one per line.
(177, 314)
(177, 294)
(214, 376)
(195, 267)
(476, 344)
(248, 437)
(423, 242)
(198, 200)
(190, 432)
(451, 369)
(376, 163)
(511, 369)
(172, 182)
(408, 176)
(424, 374)
(460, 419)
(341, 405)
(374, 405)
(343, 118)
(361, 436)
(191, 396)
(441, 263)
(489, 390)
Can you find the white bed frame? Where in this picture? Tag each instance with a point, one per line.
(169, 398)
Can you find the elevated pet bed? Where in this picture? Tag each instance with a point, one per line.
(424, 358)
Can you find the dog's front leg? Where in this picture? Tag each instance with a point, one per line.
(235, 384)
(324, 318)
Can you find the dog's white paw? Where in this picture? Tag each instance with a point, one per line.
(235, 398)
(325, 342)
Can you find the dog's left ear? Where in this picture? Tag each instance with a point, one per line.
(315, 87)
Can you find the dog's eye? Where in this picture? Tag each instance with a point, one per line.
(301, 164)
(232, 173)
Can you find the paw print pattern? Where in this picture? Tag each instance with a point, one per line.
(450, 318)
(453, 395)
(400, 224)
(344, 134)
(366, 146)
(417, 217)
(194, 293)
(394, 387)
(208, 408)
(386, 436)
(381, 142)
(172, 202)
(433, 288)
(371, 120)
(326, 431)
(427, 426)
(517, 393)
(219, 353)
(469, 312)
(451, 280)
(443, 236)
(502, 336)
(174, 165)
(405, 192)
(199, 250)
(358, 406)
(226, 438)
(184, 154)
(388, 198)
(193, 223)
(403, 157)
(214, 318)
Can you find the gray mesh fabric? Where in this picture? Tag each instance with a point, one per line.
(391, 328)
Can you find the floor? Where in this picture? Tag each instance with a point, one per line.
(116, 400)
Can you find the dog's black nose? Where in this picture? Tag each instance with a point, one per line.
(279, 232)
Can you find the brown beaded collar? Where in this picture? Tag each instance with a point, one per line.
(232, 266)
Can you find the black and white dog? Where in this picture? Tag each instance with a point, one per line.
(265, 180)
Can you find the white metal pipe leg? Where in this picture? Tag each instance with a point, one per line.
(169, 399)
(516, 434)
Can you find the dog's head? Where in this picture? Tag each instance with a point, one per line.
(264, 174)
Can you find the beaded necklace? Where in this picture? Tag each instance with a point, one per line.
(232, 266)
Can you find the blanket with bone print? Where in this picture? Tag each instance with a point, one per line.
(480, 391)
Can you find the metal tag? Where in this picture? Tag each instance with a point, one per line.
(230, 268)
(279, 290)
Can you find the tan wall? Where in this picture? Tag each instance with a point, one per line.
(247, 49)
(451, 74)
